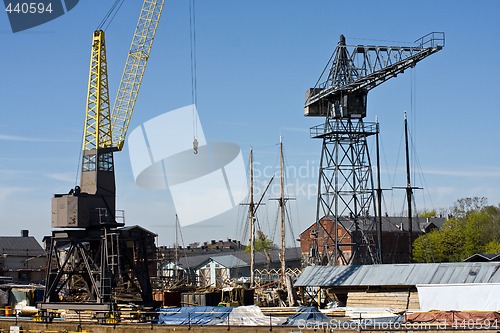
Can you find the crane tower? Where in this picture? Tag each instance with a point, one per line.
(92, 262)
(345, 186)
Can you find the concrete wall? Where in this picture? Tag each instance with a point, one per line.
(33, 327)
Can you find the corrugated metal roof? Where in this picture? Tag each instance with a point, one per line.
(400, 274)
(138, 227)
(482, 257)
(229, 261)
(291, 254)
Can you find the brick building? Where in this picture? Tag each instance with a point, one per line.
(395, 238)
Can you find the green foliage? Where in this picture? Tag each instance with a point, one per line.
(466, 205)
(427, 214)
(474, 228)
(261, 244)
(493, 247)
(428, 248)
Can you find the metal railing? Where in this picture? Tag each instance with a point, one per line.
(431, 40)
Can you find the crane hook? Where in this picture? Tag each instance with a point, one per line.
(195, 145)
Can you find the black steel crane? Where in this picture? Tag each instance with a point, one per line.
(346, 228)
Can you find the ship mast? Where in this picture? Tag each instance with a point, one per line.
(176, 248)
(409, 193)
(251, 217)
(282, 214)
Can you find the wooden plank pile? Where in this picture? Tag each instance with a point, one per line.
(398, 300)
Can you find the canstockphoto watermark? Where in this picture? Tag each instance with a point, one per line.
(367, 324)
(25, 14)
(301, 180)
(309, 169)
(293, 189)
(203, 183)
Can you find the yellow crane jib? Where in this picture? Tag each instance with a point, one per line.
(92, 204)
(133, 72)
(97, 131)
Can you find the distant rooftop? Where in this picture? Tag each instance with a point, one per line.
(241, 258)
(395, 223)
(20, 246)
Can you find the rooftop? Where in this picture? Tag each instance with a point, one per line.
(20, 246)
(400, 274)
(239, 256)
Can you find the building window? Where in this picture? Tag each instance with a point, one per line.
(89, 162)
(106, 162)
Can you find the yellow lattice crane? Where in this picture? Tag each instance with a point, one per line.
(92, 204)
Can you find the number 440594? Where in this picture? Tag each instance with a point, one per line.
(29, 8)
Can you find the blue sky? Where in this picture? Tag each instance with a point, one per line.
(255, 60)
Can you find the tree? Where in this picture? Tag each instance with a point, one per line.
(466, 205)
(428, 247)
(492, 247)
(427, 214)
(474, 228)
(261, 244)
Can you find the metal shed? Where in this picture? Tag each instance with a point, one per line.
(408, 275)
(389, 285)
(216, 270)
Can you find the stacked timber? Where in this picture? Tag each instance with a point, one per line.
(80, 316)
(334, 312)
(132, 313)
(397, 300)
(413, 303)
(279, 311)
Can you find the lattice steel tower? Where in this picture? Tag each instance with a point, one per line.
(346, 218)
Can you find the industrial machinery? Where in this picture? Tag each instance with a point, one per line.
(93, 262)
(345, 187)
(232, 296)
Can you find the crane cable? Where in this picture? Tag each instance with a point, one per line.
(194, 97)
(108, 18)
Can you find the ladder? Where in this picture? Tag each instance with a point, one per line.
(110, 262)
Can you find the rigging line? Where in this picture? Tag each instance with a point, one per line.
(275, 226)
(244, 232)
(381, 40)
(413, 119)
(421, 175)
(192, 32)
(242, 224)
(79, 165)
(112, 11)
(400, 149)
(257, 225)
(178, 225)
(266, 217)
(113, 17)
(290, 225)
(382, 149)
(415, 161)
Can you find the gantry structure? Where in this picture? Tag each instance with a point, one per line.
(346, 193)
